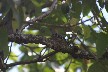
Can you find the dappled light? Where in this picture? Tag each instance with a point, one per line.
(53, 35)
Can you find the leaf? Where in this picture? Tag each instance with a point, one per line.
(95, 8)
(87, 5)
(76, 9)
(47, 69)
(36, 3)
(93, 36)
(61, 56)
(64, 19)
(23, 49)
(106, 6)
(101, 44)
(13, 57)
(99, 67)
(101, 3)
(86, 31)
(44, 30)
(74, 21)
(75, 65)
(32, 7)
(65, 8)
(25, 57)
(85, 8)
(4, 41)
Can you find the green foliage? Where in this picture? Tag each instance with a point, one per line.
(101, 3)
(47, 69)
(13, 56)
(65, 8)
(106, 6)
(76, 9)
(17, 12)
(4, 41)
(100, 66)
(101, 43)
(78, 64)
(67, 16)
(61, 58)
(93, 35)
(44, 30)
(86, 31)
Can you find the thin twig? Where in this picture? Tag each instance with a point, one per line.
(42, 51)
(58, 25)
(30, 49)
(96, 16)
(40, 59)
(68, 65)
(46, 13)
(85, 47)
(9, 53)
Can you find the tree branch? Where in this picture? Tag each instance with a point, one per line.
(41, 16)
(46, 13)
(57, 25)
(55, 43)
